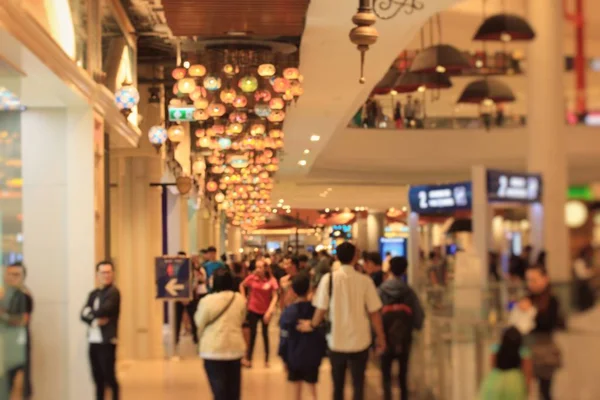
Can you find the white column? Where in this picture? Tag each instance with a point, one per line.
(58, 201)
(375, 228)
(361, 233)
(234, 240)
(481, 221)
(413, 249)
(547, 144)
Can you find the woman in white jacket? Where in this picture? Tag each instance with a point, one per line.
(219, 318)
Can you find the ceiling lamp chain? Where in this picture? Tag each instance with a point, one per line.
(388, 9)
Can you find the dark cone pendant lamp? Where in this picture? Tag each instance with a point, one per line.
(440, 58)
(411, 82)
(504, 28)
(386, 85)
(485, 90)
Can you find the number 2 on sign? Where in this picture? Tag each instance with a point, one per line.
(423, 200)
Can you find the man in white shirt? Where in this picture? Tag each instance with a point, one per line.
(353, 305)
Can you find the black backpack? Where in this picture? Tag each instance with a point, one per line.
(398, 327)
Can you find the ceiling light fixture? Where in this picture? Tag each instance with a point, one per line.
(315, 138)
(306, 151)
(302, 163)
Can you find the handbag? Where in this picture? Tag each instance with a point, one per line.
(545, 356)
(220, 314)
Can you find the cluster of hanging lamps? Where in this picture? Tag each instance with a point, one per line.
(240, 112)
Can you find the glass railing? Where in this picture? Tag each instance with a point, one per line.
(483, 122)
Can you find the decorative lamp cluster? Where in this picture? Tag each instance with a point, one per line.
(237, 136)
(127, 98)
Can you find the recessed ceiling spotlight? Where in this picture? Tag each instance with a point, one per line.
(356, 208)
(288, 211)
(404, 209)
(302, 163)
(306, 151)
(274, 211)
(281, 200)
(327, 210)
(315, 138)
(186, 64)
(337, 209)
(329, 189)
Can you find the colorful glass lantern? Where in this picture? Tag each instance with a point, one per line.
(276, 116)
(216, 110)
(198, 93)
(240, 101)
(276, 133)
(280, 85)
(227, 96)
(288, 95)
(201, 103)
(216, 130)
(262, 95)
(297, 89)
(186, 85)
(176, 133)
(212, 83)
(219, 197)
(235, 128)
(257, 129)
(197, 70)
(277, 103)
(238, 116)
(200, 115)
(291, 73)
(248, 84)
(200, 133)
(204, 142)
(212, 186)
(179, 73)
(224, 143)
(230, 70)
(262, 110)
(157, 135)
(266, 70)
(127, 97)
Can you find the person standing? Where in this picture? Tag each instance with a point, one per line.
(219, 319)
(353, 304)
(287, 296)
(262, 301)
(409, 112)
(211, 264)
(402, 313)
(373, 266)
(545, 354)
(101, 314)
(188, 307)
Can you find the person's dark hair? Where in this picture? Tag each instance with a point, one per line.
(252, 265)
(301, 284)
(432, 255)
(211, 249)
(324, 253)
(222, 280)
(295, 262)
(105, 262)
(303, 258)
(398, 265)
(538, 267)
(224, 257)
(315, 254)
(527, 249)
(508, 356)
(182, 253)
(387, 253)
(541, 258)
(346, 252)
(202, 251)
(374, 257)
(18, 264)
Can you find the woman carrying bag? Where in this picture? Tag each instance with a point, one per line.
(545, 354)
(219, 318)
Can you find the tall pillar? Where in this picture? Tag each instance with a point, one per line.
(361, 233)
(234, 240)
(414, 245)
(375, 228)
(547, 143)
(204, 228)
(59, 245)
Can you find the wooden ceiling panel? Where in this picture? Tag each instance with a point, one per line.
(214, 18)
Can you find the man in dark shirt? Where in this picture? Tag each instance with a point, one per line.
(374, 267)
(101, 314)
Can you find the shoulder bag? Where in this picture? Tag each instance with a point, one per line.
(220, 314)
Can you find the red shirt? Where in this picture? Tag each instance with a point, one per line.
(261, 292)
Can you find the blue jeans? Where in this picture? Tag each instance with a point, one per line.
(225, 378)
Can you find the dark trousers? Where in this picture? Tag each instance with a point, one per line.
(387, 361)
(190, 309)
(225, 378)
(102, 360)
(545, 388)
(253, 319)
(357, 362)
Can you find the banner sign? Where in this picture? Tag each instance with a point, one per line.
(513, 187)
(430, 199)
(173, 278)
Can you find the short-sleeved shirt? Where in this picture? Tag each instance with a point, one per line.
(262, 291)
(524, 351)
(354, 298)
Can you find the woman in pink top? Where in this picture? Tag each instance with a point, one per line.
(262, 301)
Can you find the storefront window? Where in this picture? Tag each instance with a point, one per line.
(11, 246)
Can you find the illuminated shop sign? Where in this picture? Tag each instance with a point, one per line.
(440, 198)
(513, 187)
(341, 232)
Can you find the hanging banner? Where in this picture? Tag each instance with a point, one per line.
(513, 187)
(430, 199)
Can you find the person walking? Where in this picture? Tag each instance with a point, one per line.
(402, 314)
(211, 264)
(219, 319)
(545, 353)
(101, 313)
(262, 301)
(353, 305)
(188, 307)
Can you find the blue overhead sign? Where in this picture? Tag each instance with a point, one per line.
(431, 199)
(513, 187)
(173, 278)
